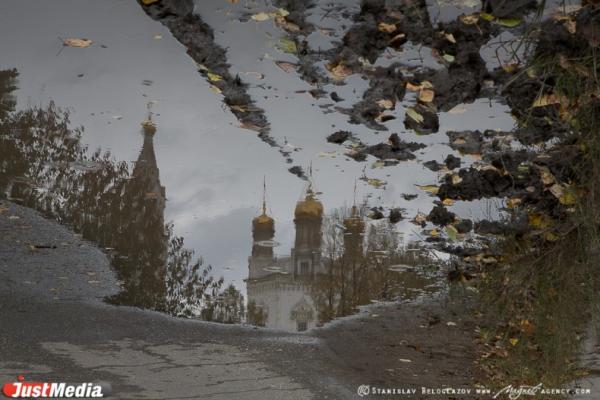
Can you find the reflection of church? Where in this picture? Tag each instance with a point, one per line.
(282, 290)
(279, 287)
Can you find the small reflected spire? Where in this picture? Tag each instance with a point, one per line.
(264, 204)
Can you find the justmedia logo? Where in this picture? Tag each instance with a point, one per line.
(363, 390)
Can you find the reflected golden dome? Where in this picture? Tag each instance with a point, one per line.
(263, 220)
(309, 207)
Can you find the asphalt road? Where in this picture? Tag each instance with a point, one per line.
(55, 327)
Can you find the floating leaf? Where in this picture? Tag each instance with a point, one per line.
(81, 43)
(387, 28)
(448, 202)
(450, 37)
(413, 88)
(429, 188)
(385, 103)
(426, 95)
(419, 219)
(285, 24)
(452, 232)
(448, 57)
(509, 22)
(261, 16)
(288, 46)
(214, 77)
(286, 66)
(215, 89)
(376, 183)
(469, 19)
(339, 71)
(456, 179)
(457, 109)
(415, 115)
(486, 16)
(148, 2)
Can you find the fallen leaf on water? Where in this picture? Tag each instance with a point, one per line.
(426, 95)
(215, 89)
(261, 16)
(413, 88)
(287, 46)
(214, 77)
(429, 188)
(376, 183)
(387, 28)
(458, 109)
(456, 179)
(415, 115)
(450, 37)
(385, 103)
(448, 202)
(452, 232)
(448, 57)
(81, 43)
(546, 176)
(486, 16)
(250, 126)
(509, 22)
(286, 66)
(433, 233)
(419, 219)
(339, 71)
(148, 2)
(471, 19)
(285, 24)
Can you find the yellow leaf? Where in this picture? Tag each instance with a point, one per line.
(415, 115)
(148, 2)
(513, 341)
(385, 103)
(81, 43)
(387, 28)
(450, 37)
(288, 46)
(413, 88)
(545, 100)
(260, 17)
(456, 179)
(471, 19)
(426, 95)
(214, 77)
(452, 232)
(339, 71)
(215, 89)
(551, 236)
(448, 202)
(434, 233)
(448, 57)
(429, 188)
(376, 183)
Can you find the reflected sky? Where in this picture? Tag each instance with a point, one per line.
(212, 169)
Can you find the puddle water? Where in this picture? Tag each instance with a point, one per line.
(290, 254)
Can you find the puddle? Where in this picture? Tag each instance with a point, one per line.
(148, 144)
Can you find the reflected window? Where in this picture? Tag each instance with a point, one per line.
(302, 326)
(304, 267)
